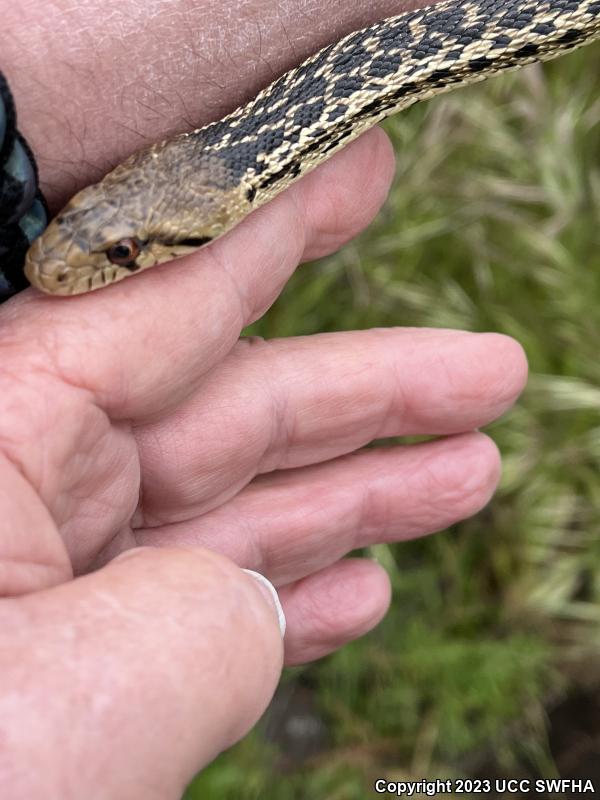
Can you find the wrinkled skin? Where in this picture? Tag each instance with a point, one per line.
(134, 416)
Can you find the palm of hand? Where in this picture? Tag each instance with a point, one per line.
(156, 427)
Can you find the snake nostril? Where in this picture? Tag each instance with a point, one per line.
(61, 277)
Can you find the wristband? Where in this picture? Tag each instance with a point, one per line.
(23, 209)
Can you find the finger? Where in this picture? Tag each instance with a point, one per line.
(333, 607)
(315, 398)
(189, 313)
(32, 553)
(297, 522)
(332, 223)
(152, 665)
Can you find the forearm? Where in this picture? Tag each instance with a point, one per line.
(95, 82)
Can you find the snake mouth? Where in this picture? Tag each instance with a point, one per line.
(47, 274)
(55, 279)
(59, 283)
(53, 276)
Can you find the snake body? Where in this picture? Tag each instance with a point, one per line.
(180, 194)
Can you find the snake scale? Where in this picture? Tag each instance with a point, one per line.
(178, 195)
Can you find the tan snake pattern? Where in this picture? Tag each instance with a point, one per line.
(181, 194)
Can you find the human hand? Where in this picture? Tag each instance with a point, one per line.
(134, 416)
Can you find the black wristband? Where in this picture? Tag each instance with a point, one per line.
(23, 209)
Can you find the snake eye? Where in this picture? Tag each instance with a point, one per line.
(124, 252)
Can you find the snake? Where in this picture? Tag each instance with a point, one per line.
(178, 195)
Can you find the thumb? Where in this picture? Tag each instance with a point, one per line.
(123, 683)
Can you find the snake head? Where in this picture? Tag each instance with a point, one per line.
(85, 247)
(135, 218)
(94, 242)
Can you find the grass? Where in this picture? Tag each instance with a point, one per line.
(493, 224)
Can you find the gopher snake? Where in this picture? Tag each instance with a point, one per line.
(175, 196)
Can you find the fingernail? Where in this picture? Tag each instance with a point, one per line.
(272, 593)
